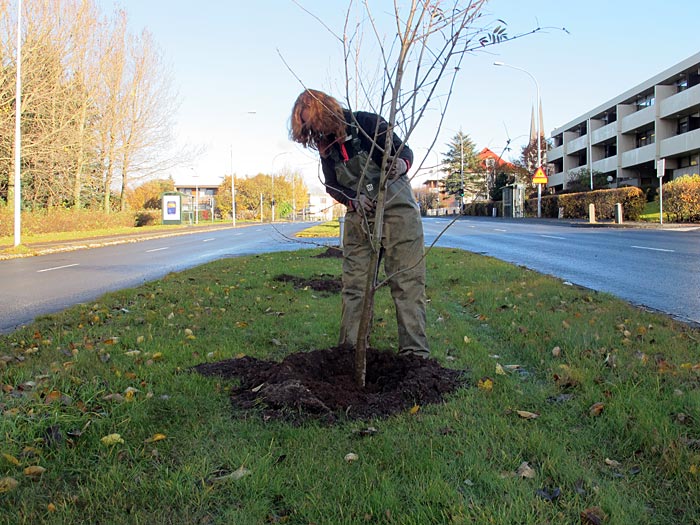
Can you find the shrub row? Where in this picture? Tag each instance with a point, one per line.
(682, 198)
(64, 220)
(575, 205)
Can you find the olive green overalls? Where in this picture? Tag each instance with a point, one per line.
(402, 252)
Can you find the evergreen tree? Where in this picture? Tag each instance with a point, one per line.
(465, 174)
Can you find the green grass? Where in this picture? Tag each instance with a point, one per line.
(73, 235)
(651, 212)
(638, 460)
(327, 229)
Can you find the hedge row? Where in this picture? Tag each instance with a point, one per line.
(64, 220)
(682, 198)
(575, 205)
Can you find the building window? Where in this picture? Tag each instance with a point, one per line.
(645, 137)
(610, 116)
(644, 101)
(609, 150)
(682, 83)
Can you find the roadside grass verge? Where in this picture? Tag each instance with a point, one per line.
(601, 400)
(326, 229)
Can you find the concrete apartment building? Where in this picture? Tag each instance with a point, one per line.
(626, 137)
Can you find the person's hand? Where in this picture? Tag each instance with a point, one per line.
(398, 167)
(365, 203)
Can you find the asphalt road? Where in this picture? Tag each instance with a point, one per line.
(658, 269)
(655, 268)
(49, 283)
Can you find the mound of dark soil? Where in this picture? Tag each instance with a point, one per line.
(322, 283)
(332, 251)
(320, 384)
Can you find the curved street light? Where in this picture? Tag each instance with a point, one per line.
(537, 126)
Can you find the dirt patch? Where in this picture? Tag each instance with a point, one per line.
(320, 384)
(330, 252)
(322, 283)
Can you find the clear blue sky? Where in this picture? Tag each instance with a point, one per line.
(228, 58)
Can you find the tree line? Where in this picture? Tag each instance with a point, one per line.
(96, 106)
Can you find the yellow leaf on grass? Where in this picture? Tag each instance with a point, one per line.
(8, 484)
(485, 383)
(526, 471)
(157, 356)
(111, 439)
(527, 415)
(51, 507)
(34, 471)
(499, 370)
(10, 458)
(414, 409)
(155, 437)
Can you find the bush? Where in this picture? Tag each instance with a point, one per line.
(65, 220)
(575, 205)
(481, 208)
(146, 218)
(682, 198)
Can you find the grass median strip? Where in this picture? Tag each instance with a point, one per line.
(577, 406)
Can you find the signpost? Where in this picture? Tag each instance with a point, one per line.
(660, 169)
(539, 177)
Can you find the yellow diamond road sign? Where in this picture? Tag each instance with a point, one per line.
(539, 177)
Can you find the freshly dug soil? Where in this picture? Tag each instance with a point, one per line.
(322, 283)
(332, 251)
(320, 384)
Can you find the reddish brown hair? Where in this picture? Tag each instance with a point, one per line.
(325, 122)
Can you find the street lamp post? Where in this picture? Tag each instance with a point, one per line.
(537, 127)
(18, 133)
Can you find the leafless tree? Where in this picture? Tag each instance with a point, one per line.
(419, 59)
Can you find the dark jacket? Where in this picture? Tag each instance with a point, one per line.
(371, 126)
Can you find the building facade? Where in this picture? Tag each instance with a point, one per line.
(625, 138)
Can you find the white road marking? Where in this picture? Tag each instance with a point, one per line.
(653, 249)
(208, 240)
(500, 230)
(157, 250)
(553, 237)
(57, 268)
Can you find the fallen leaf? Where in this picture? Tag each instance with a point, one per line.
(8, 484)
(593, 516)
(112, 439)
(526, 471)
(10, 458)
(549, 494)
(485, 383)
(51, 507)
(155, 437)
(350, 457)
(499, 370)
(527, 415)
(414, 410)
(113, 397)
(596, 409)
(34, 471)
(556, 351)
(612, 462)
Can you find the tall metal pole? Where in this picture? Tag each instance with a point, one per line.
(233, 191)
(461, 171)
(537, 126)
(18, 132)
